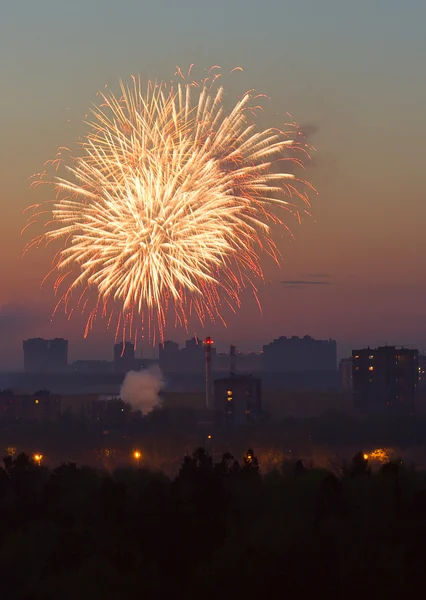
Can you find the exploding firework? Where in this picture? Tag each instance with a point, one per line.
(167, 205)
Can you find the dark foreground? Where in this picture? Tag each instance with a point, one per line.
(215, 531)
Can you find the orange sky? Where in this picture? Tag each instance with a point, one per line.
(353, 75)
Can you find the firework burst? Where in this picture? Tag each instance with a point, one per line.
(168, 204)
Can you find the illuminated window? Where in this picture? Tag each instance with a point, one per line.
(36, 401)
(356, 356)
(371, 368)
(371, 356)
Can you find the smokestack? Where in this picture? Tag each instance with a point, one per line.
(232, 360)
(208, 351)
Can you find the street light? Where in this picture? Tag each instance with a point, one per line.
(38, 458)
(137, 456)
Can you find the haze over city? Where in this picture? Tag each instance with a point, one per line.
(349, 74)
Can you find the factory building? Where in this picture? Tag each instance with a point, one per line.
(238, 399)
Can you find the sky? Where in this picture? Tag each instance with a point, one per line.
(351, 73)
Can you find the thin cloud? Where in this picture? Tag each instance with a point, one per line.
(294, 282)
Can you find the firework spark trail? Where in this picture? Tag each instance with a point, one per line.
(168, 203)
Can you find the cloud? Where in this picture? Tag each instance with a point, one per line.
(308, 280)
(297, 282)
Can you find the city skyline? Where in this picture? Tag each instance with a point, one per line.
(354, 270)
(299, 348)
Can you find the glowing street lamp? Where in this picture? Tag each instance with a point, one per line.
(38, 458)
(137, 456)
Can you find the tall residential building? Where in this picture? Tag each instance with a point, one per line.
(345, 374)
(385, 378)
(422, 371)
(168, 353)
(58, 355)
(45, 356)
(193, 356)
(36, 353)
(189, 360)
(124, 357)
(295, 354)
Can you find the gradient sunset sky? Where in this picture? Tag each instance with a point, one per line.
(353, 74)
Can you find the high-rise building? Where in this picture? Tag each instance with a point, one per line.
(45, 356)
(124, 357)
(422, 371)
(295, 354)
(385, 378)
(58, 355)
(168, 353)
(192, 358)
(345, 374)
(36, 355)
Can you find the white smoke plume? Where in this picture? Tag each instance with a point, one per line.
(141, 389)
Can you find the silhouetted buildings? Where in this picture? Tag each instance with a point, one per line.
(91, 366)
(41, 406)
(385, 378)
(192, 357)
(296, 354)
(45, 356)
(58, 355)
(345, 374)
(238, 400)
(124, 357)
(168, 353)
(187, 360)
(422, 371)
(249, 363)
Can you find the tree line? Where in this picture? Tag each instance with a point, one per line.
(216, 530)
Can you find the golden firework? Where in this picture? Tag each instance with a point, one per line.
(168, 204)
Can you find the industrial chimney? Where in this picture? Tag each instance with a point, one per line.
(208, 352)
(232, 361)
